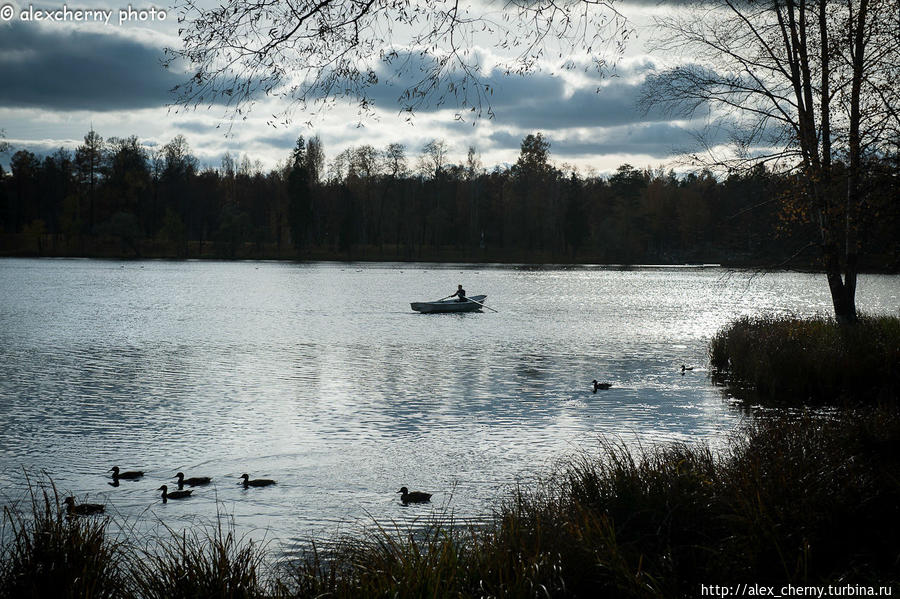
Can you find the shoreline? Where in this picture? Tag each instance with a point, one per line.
(114, 248)
(487, 262)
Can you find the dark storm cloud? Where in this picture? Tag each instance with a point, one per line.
(66, 69)
(196, 126)
(540, 100)
(286, 140)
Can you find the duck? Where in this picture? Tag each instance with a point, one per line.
(194, 481)
(256, 482)
(174, 494)
(414, 497)
(85, 509)
(601, 386)
(685, 368)
(127, 475)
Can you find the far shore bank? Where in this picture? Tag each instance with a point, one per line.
(15, 246)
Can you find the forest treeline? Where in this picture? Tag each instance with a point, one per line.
(116, 197)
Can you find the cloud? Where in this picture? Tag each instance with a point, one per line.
(64, 68)
(658, 140)
(285, 140)
(543, 100)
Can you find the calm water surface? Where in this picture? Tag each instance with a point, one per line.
(320, 376)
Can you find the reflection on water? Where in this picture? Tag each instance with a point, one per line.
(321, 377)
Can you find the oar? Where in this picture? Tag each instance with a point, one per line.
(482, 305)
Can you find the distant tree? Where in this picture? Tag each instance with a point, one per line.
(339, 166)
(433, 158)
(173, 231)
(395, 160)
(34, 232)
(56, 184)
(179, 171)
(123, 225)
(811, 87)
(395, 167)
(364, 162)
(228, 165)
(575, 227)
(234, 229)
(474, 167)
(534, 181)
(89, 160)
(246, 167)
(299, 193)
(179, 162)
(315, 159)
(25, 168)
(534, 157)
(127, 189)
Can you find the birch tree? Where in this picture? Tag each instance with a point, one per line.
(806, 86)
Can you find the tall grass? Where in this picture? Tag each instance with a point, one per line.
(210, 563)
(50, 554)
(816, 359)
(806, 500)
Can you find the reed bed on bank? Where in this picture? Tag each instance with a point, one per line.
(818, 360)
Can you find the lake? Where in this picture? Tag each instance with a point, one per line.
(321, 377)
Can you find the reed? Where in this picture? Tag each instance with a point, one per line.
(811, 360)
(49, 554)
(211, 562)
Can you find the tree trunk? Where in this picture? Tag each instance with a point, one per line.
(843, 289)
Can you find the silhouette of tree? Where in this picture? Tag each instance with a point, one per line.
(809, 86)
(433, 158)
(575, 224)
(395, 160)
(25, 168)
(534, 157)
(299, 181)
(161, 205)
(89, 159)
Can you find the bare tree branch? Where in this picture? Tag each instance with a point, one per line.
(315, 52)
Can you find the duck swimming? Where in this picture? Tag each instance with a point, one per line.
(85, 509)
(174, 494)
(194, 481)
(684, 368)
(127, 475)
(414, 497)
(601, 386)
(257, 482)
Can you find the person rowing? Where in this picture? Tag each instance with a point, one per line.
(460, 293)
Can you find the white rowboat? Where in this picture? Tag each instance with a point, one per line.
(472, 304)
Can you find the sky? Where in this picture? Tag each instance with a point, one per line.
(60, 79)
